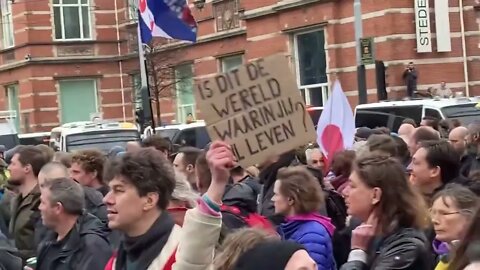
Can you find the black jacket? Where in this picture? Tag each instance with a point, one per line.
(242, 195)
(267, 177)
(86, 248)
(93, 205)
(405, 249)
(8, 258)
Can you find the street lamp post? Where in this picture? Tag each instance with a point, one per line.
(361, 72)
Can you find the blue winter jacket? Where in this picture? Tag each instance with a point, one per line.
(314, 232)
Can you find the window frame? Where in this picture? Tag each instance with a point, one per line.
(96, 93)
(14, 114)
(235, 15)
(133, 10)
(223, 58)
(7, 25)
(79, 5)
(304, 88)
(180, 106)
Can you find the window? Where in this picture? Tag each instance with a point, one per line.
(73, 91)
(184, 90)
(13, 104)
(311, 66)
(137, 91)
(72, 19)
(226, 15)
(433, 113)
(133, 10)
(231, 62)
(7, 24)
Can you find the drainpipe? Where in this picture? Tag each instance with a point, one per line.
(464, 49)
(361, 72)
(120, 64)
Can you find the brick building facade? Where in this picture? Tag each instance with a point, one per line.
(46, 68)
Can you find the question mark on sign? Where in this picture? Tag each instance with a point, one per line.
(301, 106)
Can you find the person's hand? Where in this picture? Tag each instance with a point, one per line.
(363, 234)
(221, 160)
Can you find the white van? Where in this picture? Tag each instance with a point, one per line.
(390, 114)
(102, 136)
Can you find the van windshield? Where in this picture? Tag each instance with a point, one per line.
(104, 140)
(35, 140)
(168, 133)
(465, 113)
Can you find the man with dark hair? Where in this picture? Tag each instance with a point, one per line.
(184, 163)
(24, 168)
(432, 122)
(410, 77)
(87, 169)
(472, 164)
(382, 143)
(419, 135)
(141, 187)
(159, 143)
(435, 164)
(77, 240)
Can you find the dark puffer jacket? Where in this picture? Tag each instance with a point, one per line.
(405, 249)
(87, 247)
(8, 259)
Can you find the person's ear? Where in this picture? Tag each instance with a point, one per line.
(435, 172)
(151, 200)
(376, 195)
(95, 174)
(27, 168)
(190, 168)
(290, 201)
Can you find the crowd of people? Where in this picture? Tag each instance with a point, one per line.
(405, 200)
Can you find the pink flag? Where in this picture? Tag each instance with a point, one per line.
(336, 126)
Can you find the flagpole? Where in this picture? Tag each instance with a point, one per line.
(144, 74)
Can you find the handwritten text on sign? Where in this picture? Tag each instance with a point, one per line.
(257, 108)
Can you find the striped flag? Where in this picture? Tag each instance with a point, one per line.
(166, 18)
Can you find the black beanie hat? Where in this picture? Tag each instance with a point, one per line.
(271, 255)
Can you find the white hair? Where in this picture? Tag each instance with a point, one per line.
(309, 153)
(183, 192)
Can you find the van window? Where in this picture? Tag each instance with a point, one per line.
(186, 137)
(465, 113)
(196, 137)
(433, 113)
(35, 140)
(371, 119)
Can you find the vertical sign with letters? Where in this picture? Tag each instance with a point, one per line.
(422, 21)
(442, 24)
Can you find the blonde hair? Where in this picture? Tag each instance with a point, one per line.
(238, 243)
(183, 192)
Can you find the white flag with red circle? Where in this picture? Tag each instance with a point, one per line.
(336, 126)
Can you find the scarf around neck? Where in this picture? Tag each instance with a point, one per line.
(140, 251)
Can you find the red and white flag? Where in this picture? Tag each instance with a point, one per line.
(336, 126)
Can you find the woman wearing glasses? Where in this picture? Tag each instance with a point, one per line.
(451, 213)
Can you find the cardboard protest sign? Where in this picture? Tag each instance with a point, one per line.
(257, 108)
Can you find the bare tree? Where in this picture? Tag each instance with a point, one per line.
(161, 74)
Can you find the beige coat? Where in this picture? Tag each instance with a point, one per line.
(200, 234)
